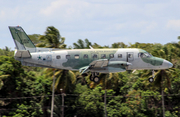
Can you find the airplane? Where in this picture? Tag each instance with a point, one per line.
(94, 60)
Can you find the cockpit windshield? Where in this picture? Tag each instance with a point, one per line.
(144, 55)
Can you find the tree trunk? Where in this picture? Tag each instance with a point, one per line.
(52, 102)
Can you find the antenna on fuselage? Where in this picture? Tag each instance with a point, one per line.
(91, 47)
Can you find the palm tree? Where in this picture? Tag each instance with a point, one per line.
(95, 45)
(51, 39)
(82, 44)
(65, 79)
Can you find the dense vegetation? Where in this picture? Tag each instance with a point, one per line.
(26, 91)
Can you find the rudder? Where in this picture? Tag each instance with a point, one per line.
(21, 39)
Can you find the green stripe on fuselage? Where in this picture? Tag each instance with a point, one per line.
(155, 61)
(81, 62)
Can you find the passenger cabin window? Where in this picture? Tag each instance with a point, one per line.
(119, 55)
(94, 56)
(130, 55)
(111, 56)
(85, 56)
(103, 56)
(58, 57)
(76, 56)
(68, 56)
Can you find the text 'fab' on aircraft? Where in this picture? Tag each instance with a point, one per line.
(94, 60)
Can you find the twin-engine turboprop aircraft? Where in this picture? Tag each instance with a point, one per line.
(94, 60)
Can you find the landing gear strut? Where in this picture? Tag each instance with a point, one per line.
(94, 77)
(151, 79)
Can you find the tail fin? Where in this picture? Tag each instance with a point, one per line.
(21, 39)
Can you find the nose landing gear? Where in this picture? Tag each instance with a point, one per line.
(151, 79)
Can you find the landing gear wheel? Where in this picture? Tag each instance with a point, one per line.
(151, 79)
(96, 79)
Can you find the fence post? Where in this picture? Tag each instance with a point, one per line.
(162, 92)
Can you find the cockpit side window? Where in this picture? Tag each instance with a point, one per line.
(147, 54)
(144, 55)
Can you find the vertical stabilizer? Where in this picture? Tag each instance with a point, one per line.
(22, 41)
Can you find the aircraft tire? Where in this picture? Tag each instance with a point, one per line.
(151, 79)
(91, 78)
(96, 79)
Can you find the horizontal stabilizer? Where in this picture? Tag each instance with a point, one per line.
(22, 54)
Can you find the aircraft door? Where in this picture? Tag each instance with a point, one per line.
(49, 59)
(130, 56)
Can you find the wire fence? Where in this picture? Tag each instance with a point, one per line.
(148, 102)
(31, 97)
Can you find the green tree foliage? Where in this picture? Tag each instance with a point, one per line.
(15, 82)
(35, 38)
(82, 44)
(119, 45)
(6, 51)
(51, 39)
(91, 102)
(65, 79)
(26, 91)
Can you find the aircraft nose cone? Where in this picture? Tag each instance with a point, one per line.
(168, 64)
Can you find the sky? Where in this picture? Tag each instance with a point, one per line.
(100, 21)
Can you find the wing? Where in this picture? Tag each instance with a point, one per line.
(103, 64)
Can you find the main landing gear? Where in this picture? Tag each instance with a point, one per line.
(94, 77)
(151, 79)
